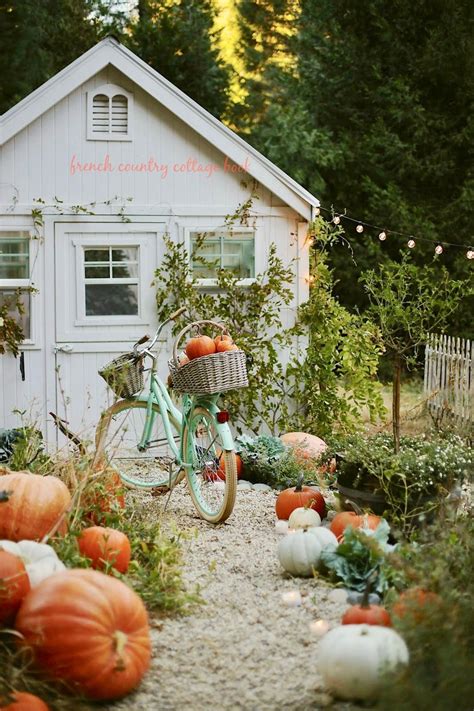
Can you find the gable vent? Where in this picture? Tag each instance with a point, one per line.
(100, 114)
(109, 114)
(119, 115)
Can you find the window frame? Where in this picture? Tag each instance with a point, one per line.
(13, 284)
(209, 283)
(109, 90)
(112, 241)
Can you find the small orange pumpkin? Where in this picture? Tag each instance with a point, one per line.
(221, 338)
(200, 346)
(238, 463)
(35, 504)
(366, 614)
(227, 346)
(103, 496)
(348, 518)
(14, 584)
(88, 629)
(105, 546)
(299, 497)
(415, 604)
(23, 701)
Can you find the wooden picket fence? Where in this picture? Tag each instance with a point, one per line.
(449, 378)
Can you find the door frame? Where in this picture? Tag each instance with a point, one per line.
(50, 224)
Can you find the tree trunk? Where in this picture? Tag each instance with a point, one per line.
(397, 370)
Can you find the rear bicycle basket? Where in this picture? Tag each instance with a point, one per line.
(124, 375)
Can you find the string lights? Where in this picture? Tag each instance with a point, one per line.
(339, 218)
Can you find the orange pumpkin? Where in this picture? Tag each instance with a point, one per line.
(35, 505)
(226, 346)
(183, 360)
(238, 463)
(299, 497)
(415, 604)
(25, 702)
(221, 338)
(348, 518)
(366, 614)
(89, 630)
(200, 346)
(14, 584)
(105, 546)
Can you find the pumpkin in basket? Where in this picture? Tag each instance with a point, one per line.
(222, 338)
(200, 346)
(227, 346)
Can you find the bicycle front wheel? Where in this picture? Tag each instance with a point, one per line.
(118, 435)
(212, 470)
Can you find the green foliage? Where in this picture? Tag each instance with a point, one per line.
(338, 376)
(409, 302)
(360, 558)
(441, 641)
(415, 481)
(37, 39)
(11, 331)
(252, 315)
(176, 37)
(268, 461)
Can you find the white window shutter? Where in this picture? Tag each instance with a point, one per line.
(109, 114)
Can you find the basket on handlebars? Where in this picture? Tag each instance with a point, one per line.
(124, 375)
(209, 374)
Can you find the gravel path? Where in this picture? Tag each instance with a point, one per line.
(244, 649)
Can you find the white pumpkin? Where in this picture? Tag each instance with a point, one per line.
(353, 659)
(299, 553)
(304, 518)
(40, 559)
(325, 537)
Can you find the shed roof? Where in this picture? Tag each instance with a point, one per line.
(110, 52)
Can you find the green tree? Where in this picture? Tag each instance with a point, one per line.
(37, 39)
(176, 38)
(377, 117)
(408, 302)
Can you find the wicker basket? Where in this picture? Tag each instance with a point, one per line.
(210, 374)
(124, 375)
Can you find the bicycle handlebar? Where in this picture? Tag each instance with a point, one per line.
(146, 338)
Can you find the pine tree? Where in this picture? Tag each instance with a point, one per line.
(37, 39)
(176, 38)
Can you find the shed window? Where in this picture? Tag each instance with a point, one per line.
(109, 114)
(111, 281)
(232, 251)
(15, 277)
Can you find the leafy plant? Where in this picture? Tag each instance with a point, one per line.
(338, 376)
(408, 302)
(414, 481)
(441, 643)
(360, 558)
(11, 330)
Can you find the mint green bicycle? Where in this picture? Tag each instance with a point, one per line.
(152, 443)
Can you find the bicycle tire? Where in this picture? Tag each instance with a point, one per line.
(143, 478)
(204, 477)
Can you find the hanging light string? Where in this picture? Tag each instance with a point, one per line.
(384, 233)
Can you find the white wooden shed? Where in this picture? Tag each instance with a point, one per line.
(110, 130)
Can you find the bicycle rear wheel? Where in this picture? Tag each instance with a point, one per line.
(212, 474)
(117, 437)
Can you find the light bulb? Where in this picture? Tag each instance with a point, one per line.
(470, 254)
(360, 228)
(317, 211)
(439, 249)
(411, 243)
(382, 236)
(336, 219)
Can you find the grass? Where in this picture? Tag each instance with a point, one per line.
(414, 415)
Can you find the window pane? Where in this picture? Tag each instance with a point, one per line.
(111, 299)
(97, 255)
(124, 270)
(9, 297)
(97, 272)
(239, 258)
(125, 254)
(231, 251)
(14, 258)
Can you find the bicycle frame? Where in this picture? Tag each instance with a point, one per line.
(159, 395)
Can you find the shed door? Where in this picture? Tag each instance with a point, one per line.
(104, 303)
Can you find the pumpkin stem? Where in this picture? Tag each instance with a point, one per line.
(354, 507)
(365, 596)
(120, 639)
(299, 483)
(5, 495)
